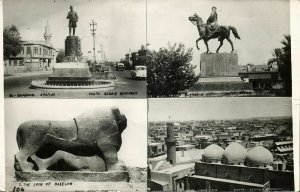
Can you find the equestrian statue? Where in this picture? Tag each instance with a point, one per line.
(211, 30)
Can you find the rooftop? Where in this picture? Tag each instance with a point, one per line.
(192, 155)
(43, 43)
(177, 168)
(283, 142)
(229, 181)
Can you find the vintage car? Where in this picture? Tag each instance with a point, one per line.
(120, 67)
(139, 72)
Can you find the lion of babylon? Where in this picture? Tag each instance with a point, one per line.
(93, 139)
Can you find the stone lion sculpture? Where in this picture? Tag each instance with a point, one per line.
(90, 141)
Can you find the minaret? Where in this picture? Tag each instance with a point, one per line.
(171, 143)
(47, 34)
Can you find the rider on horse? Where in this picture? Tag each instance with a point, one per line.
(212, 22)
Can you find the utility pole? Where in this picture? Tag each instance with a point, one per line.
(93, 26)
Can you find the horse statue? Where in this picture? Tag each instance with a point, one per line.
(221, 32)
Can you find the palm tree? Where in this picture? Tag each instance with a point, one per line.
(277, 53)
(285, 67)
(282, 56)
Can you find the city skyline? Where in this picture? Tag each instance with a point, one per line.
(217, 108)
(118, 28)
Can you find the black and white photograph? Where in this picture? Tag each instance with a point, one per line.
(214, 48)
(57, 145)
(74, 49)
(220, 144)
(149, 95)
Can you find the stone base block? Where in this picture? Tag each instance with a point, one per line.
(219, 64)
(221, 84)
(70, 73)
(72, 46)
(109, 176)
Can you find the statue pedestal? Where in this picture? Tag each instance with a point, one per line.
(73, 74)
(72, 46)
(219, 76)
(70, 73)
(219, 65)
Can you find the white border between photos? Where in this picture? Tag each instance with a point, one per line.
(295, 37)
(2, 149)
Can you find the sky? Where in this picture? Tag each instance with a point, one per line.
(180, 109)
(134, 138)
(121, 24)
(261, 25)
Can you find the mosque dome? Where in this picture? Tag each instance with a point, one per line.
(213, 153)
(259, 156)
(235, 154)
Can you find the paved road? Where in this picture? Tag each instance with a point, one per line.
(19, 86)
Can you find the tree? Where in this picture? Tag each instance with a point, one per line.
(142, 55)
(60, 56)
(277, 53)
(285, 67)
(282, 56)
(11, 42)
(170, 71)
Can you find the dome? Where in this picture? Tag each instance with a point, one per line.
(213, 152)
(259, 156)
(235, 154)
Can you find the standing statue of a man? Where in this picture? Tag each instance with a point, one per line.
(73, 19)
(212, 22)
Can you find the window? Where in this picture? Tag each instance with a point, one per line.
(23, 49)
(227, 175)
(205, 173)
(251, 179)
(36, 50)
(45, 52)
(40, 51)
(21, 63)
(28, 50)
(15, 63)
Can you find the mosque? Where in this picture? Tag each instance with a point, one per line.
(234, 168)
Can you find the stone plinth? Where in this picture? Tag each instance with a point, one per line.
(72, 46)
(219, 65)
(219, 76)
(225, 86)
(70, 73)
(88, 176)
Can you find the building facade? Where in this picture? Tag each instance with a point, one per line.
(235, 168)
(34, 56)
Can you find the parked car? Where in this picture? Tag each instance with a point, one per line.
(139, 72)
(120, 67)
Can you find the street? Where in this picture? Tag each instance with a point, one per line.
(18, 86)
